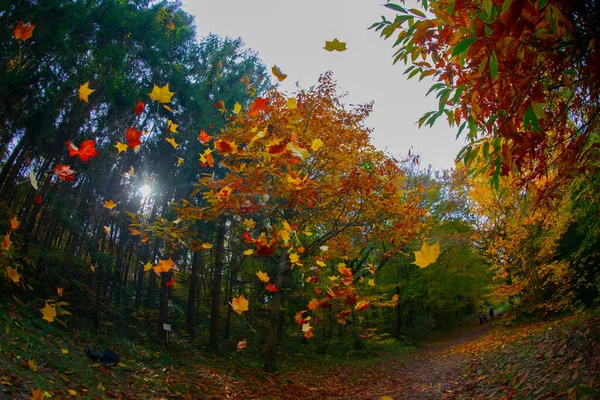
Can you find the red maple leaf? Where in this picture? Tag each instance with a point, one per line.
(139, 107)
(247, 237)
(257, 105)
(225, 147)
(271, 288)
(64, 172)
(38, 199)
(23, 31)
(170, 283)
(85, 151)
(133, 137)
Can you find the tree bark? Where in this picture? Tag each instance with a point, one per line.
(271, 350)
(192, 295)
(216, 287)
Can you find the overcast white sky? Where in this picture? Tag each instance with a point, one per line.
(291, 34)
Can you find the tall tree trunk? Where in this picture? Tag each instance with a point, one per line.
(163, 308)
(192, 294)
(271, 350)
(216, 292)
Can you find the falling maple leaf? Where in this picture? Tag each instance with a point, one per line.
(427, 255)
(13, 275)
(64, 172)
(169, 109)
(242, 345)
(248, 252)
(110, 204)
(396, 297)
(271, 288)
(226, 147)
(172, 126)
(204, 137)
(343, 315)
(335, 45)
(106, 229)
(170, 283)
(309, 333)
(84, 91)
(72, 392)
(85, 151)
(139, 107)
(48, 312)
(23, 31)
(237, 107)
(164, 266)
(121, 147)
(277, 147)
(133, 137)
(179, 160)
(371, 282)
(277, 72)
(259, 104)
(263, 276)
(93, 268)
(172, 142)
(147, 266)
(249, 223)
(38, 199)
(313, 304)
(362, 305)
(59, 290)
(163, 95)
(64, 351)
(14, 223)
(239, 305)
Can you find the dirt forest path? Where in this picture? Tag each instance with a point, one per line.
(432, 372)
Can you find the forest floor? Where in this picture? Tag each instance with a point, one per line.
(497, 360)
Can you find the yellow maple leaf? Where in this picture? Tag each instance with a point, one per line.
(13, 275)
(110, 204)
(239, 305)
(249, 223)
(107, 230)
(263, 276)
(173, 142)
(427, 255)
(371, 282)
(101, 387)
(237, 108)
(48, 312)
(6, 242)
(321, 263)
(84, 91)
(172, 126)
(206, 246)
(248, 252)
(291, 103)
(64, 351)
(147, 266)
(72, 392)
(335, 45)
(163, 95)
(121, 147)
(294, 258)
(14, 224)
(32, 366)
(93, 268)
(180, 160)
(277, 72)
(316, 144)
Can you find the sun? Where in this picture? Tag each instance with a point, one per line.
(145, 191)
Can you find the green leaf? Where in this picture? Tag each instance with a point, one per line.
(494, 66)
(531, 119)
(395, 7)
(463, 46)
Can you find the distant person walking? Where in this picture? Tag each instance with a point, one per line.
(491, 313)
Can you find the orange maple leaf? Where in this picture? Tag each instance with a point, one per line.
(64, 172)
(263, 276)
(164, 266)
(6, 242)
(14, 223)
(259, 104)
(36, 394)
(23, 31)
(204, 137)
(277, 147)
(85, 151)
(343, 315)
(239, 305)
(313, 304)
(133, 137)
(110, 204)
(362, 305)
(242, 345)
